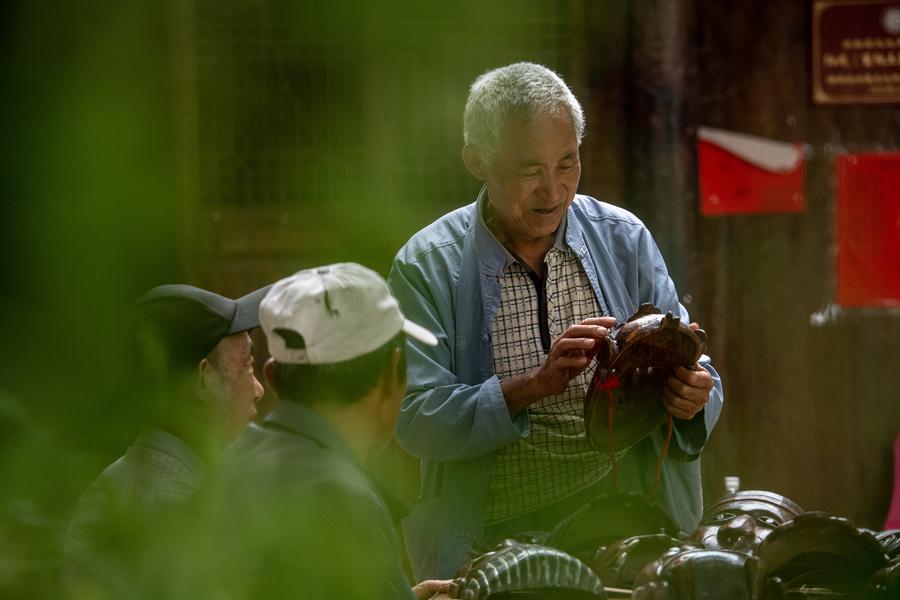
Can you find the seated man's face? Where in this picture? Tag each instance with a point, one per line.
(392, 389)
(739, 525)
(236, 388)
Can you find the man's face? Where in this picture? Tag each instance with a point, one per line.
(533, 177)
(739, 525)
(236, 390)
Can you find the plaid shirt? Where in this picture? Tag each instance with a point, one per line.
(158, 473)
(555, 460)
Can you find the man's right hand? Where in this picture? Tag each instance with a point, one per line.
(569, 355)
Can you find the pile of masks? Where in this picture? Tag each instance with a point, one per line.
(749, 545)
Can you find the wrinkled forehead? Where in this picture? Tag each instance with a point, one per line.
(234, 346)
(747, 506)
(542, 139)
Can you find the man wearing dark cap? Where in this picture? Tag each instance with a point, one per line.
(193, 355)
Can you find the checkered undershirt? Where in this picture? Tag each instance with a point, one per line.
(555, 460)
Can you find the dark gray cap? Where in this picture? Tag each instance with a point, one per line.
(189, 322)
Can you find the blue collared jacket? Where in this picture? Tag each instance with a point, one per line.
(454, 415)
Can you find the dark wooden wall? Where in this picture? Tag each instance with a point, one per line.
(811, 410)
(814, 409)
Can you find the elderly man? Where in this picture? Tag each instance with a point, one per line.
(311, 522)
(521, 286)
(193, 350)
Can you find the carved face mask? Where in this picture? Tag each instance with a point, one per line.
(818, 551)
(742, 520)
(607, 518)
(890, 541)
(698, 574)
(618, 564)
(525, 570)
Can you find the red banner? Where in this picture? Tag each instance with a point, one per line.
(743, 174)
(868, 230)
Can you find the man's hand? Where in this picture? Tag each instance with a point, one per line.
(569, 355)
(432, 588)
(687, 392)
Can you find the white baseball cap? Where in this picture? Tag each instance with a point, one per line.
(332, 314)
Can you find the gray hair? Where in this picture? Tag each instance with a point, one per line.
(518, 90)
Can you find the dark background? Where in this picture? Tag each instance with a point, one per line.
(227, 144)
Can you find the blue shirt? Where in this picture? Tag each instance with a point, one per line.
(454, 415)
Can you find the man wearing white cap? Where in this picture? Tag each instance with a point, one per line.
(311, 521)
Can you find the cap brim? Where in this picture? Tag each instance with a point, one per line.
(246, 316)
(419, 333)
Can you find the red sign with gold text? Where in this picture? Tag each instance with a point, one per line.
(855, 51)
(868, 230)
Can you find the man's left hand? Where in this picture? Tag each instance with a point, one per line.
(687, 391)
(432, 588)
